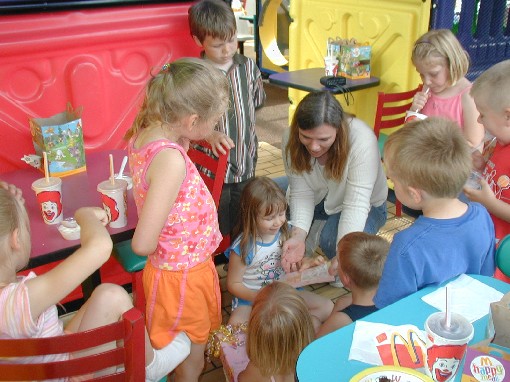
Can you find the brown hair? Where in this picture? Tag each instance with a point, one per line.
(442, 43)
(494, 84)
(212, 18)
(13, 215)
(279, 328)
(184, 87)
(431, 155)
(314, 110)
(261, 195)
(362, 256)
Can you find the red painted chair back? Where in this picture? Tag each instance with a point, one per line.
(391, 109)
(389, 117)
(129, 353)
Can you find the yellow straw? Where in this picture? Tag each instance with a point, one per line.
(46, 170)
(112, 179)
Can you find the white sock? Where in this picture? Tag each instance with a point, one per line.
(168, 358)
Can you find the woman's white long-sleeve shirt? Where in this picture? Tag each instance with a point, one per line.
(363, 184)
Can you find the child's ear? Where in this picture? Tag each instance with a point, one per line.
(415, 194)
(507, 116)
(197, 41)
(14, 240)
(191, 121)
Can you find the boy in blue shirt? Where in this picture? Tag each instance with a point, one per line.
(429, 162)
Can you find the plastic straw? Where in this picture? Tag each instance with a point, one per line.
(122, 167)
(46, 170)
(448, 322)
(112, 173)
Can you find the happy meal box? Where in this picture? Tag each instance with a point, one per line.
(61, 136)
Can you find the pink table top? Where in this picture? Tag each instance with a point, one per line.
(78, 190)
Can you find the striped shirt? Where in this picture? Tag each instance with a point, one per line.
(238, 123)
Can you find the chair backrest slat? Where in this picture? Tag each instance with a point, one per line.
(128, 354)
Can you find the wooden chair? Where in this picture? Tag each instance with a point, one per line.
(212, 169)
(389, 117)
(129, 355)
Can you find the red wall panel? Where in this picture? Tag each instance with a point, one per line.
(99, 59)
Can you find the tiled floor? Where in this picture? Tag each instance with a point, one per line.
(270, 164)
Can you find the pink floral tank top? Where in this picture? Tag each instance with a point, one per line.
(191, 232)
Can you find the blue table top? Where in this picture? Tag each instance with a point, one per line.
(327, 358)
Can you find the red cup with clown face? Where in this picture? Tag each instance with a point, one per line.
(446, 345)
(114, 199)
(49, 196)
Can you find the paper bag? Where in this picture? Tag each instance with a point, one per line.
(500, 315)
(382, 344)
(355, 61)
(61, 136)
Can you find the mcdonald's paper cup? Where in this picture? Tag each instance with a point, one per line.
(49, 198)
(114, 198)
(446, 346)
(330, 65)
(414, 116)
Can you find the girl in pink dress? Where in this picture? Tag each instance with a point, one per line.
(442, 64)
(178, 223)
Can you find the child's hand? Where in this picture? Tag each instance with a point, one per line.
(220, 142)
(333, 267)
(15, 191)
(310, 262)
(99, 213)
(482, 196)
(419, 100)
(478, 160)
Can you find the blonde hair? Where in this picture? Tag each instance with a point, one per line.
(184, 87)
(13, 215)
(494, 85)
(362, 256)
(212, 18)
(442, 43)
(431, 155)
(314, 110)
(260, 197)
(280, 326)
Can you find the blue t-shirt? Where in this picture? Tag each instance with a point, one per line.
(432, 251)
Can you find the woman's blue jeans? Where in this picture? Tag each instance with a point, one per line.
(375, 220)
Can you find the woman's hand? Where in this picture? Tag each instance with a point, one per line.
(293, 253)
(220, 143)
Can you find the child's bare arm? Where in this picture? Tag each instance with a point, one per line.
(335, 321)
(235, 274)
(473, 131)
(96, 246)
(220, 142)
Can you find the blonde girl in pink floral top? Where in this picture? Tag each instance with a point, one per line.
(178, 223)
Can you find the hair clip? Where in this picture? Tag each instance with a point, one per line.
(165, 67)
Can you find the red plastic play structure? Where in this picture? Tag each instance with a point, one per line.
(97, 58)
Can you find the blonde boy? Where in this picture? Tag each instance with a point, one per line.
(491, 92)
(213, 27)
(429, 162)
